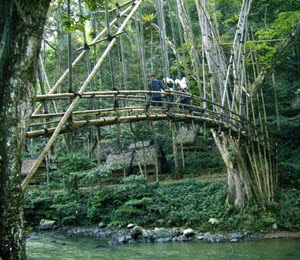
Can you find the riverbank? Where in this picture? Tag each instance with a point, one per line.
(134, 234)
(188, 204)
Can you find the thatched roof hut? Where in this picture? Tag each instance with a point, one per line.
(148, 160)
(40, 175)
(119, 164)
(186, 135)
(141, 157)
(188, 139)
(146, 155)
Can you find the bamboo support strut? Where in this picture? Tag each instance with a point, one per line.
(76, 100)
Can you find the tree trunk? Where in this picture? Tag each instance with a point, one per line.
(239, 188)
(21, 29)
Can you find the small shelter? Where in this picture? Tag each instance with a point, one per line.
(119, 164)
(149, 161)
(41, 173)
(187, 139)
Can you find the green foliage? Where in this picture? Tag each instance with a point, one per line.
(75, 162)
(94, 4)
(188, 203)
(134, 211)
(200, 163)
(76, 166)
(37, 204)
(279, 29)
(148, 17)
(289, 175)
(104, 203)
(289, 210)
(74, 23)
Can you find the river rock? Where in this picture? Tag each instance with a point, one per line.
(176, 239)
(46, 224)
(122, 239)
(113, 243)
(237, 235)
(130, 226)
(136, 231)
(175, 232)
(184, 238)
(162, 233)
(188, 232)
(145, 233)
(164, 239)
(214, 238)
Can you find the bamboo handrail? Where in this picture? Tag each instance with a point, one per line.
(112, 93)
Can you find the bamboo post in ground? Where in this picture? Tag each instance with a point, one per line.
(182, 155)
(156, 167)
(175, 152)
(267, 157)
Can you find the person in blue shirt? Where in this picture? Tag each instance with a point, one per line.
(155, 85)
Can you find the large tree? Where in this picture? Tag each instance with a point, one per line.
(21, 30)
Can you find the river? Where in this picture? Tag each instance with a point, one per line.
(54, 246)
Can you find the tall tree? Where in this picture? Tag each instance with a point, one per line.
(21, 30)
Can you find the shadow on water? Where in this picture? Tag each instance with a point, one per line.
(46, 246)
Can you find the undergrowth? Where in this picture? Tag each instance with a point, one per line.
(185, 204)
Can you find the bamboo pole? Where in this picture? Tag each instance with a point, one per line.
(91, 112)
(76, 100)
(262, 159)
(174, 40)
(255, 173)
(276, 102)
(267, 158)
(175, 152)
(182, 155)
(257, 169)
(76, 61)
(41, 63)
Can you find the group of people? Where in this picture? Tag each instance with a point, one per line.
(168, 84)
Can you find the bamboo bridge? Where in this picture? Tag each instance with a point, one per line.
(224, 101)
(133, 106)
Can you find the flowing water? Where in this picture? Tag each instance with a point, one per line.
(49, 246)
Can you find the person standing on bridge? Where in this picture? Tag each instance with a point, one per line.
(183, 87)
(155, 85)
(169, 87)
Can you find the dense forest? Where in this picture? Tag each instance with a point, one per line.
(110, 174)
